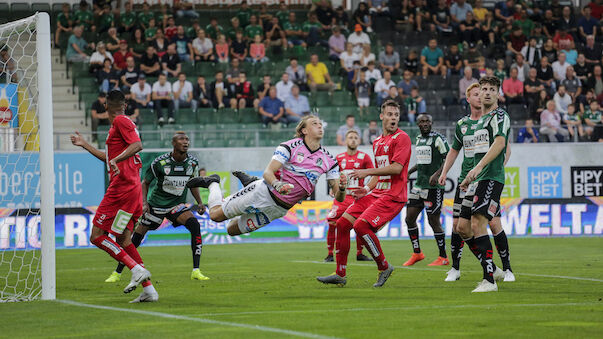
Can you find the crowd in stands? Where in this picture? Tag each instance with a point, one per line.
(547, 55)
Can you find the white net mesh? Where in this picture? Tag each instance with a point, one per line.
(20, 270)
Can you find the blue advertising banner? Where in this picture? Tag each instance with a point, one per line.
(545, 182)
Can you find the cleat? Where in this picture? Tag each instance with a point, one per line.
(485, 286)
(139, 274)
(509, 276)
(114, 277)
(146, 297)
(453, 275)
(197, 275)
(414, 258)
(245, 178)
(333, 279)
(384, 275)
(498, 275)
(440, 261)
(362, 257)
(203, 181)
(329, 258)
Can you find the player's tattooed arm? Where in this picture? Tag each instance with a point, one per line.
(450, 159)
(78, 140)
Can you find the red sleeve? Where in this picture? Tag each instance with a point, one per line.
(127, 129)
(368, 162)
(401, 151)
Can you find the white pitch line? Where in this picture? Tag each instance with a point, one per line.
(439, 270)
(198, 320)
(362, 309)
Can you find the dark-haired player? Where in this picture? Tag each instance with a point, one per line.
(122, 204)
(167, 200)
(431, 150)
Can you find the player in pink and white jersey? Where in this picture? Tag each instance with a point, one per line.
(290, 177)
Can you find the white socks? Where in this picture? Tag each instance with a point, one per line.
(215, 195)
(150, 289)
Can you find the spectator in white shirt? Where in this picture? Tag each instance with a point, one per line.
(358, 39)
(99, 56)
(183, 93)
(382, 87)
(163, 98)
(141, 92)
(372, 74)
(550, 121)
(562, 100)
(347, 58)
(283, 87)
(366, 55)
(203, 47)
(560, 67)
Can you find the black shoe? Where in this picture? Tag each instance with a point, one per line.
(362, 257)
(203, 181)
(245, 178)
(329, 258)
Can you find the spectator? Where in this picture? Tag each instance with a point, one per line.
(219, 91)
(297, 74)
(532, 88)
(105, 19)
(366, 55)
(65, 23)
(471, 56)
(183, 93)
(459, 11)
(572, 84)
(238, 47)
(561, 100)
(296, 105)
(131, 107)
(531, 53)
(129, 75)
(527, 25)
(138, 44)
(318, 76)
(562, 40)
(359, 39)
(372, 73)
(149, 64)
(382, 87)
(107, 78)
(283, 87)
(341, 19)
(504, 11)
(523, 69)
(571, 55)
(500, 72)
(337, 44)
(540, 105)
(160, 43)
(596, 9)
(221, 49)
(528, 134)
(213, 29)
(464, 83)
(573, 122)
(515, 43)
(393, 95)
(141, 92)
(271, 109)
(203, 47)
(76, 47)
(549, 24)
(411, 62)
(441, 19)
(587, 25)
(245, 96)
(275, 35)
(389, 60)
(406, 84)
(592, 120)
(244, 14)
(98, 114)
(363, 92)
(151, 31)
(253, 28)
(567, 23)
(350, 124)
(98, 57)
(415, 105)
(513, 88)
(546, 75)
(201, 94)
(582, 69)
(550, 123)
(162, 98)
(171, 29)
(257, 51)
(470, 30)
(432, 59)
(231, 33)
(145, 17)
(378, 8)
(184, 9)
(121, 55)
(293, 31)
(184, 48)
(549, 51)
(371, 133)
(560, 67)
(362, 17)
(453, 60)
(596, 81)
(171, 62)
(112, 40)
(592, 51)
(264, 87)
(347, 59)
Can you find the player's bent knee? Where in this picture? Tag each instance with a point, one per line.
(217, 214)
(233, 227)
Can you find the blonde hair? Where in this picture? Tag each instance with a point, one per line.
(472, 86)
(302, 124)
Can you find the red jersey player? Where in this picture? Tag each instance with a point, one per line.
(379, 201)
(122, 204)
(350, 160)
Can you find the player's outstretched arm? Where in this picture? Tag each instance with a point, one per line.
(392, 169)
(78, 140)
(270, 177)
(450, 159)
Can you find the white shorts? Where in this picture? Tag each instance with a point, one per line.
(364, 102)
(254, 205)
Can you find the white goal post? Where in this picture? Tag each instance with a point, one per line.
(27, 233)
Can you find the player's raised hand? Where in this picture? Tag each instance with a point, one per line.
(282, 187)
(77, 139)
(114, 167)
(359, 174)
(442, 179)
(343, 180)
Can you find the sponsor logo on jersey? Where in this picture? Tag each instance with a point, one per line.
(360, 155)
(178, 169)
(376, 220)
(357, 164)
(299, 157)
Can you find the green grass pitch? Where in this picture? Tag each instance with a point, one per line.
(270, 291)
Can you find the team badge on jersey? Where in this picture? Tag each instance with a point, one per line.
(464, 129)
(319, 162)
(357, 164)
(385, 149)
(300, 157)
(167, 170)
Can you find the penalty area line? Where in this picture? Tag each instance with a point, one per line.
(439, 270)
(198, 320)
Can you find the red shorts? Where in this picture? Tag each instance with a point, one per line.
(120, 209)
(376, 211)
(339, 208)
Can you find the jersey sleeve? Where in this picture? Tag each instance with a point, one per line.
(442, 144)
(368, 162)
(282, 153)
(500, 124)
(150, 175)
(401, 153)
(127, 129)
(333, 172)
(457, 143)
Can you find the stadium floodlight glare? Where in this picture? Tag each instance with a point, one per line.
(27, 239)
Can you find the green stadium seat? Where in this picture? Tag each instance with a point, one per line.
(343, 98)
(40, 7)
(206, 116)
(227, 116)
(19, 10)
(186, 116)
(248, 115)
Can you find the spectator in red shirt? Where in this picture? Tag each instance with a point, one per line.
(120, 57)
(171, 29)
(513, 88)
(596, 9)
(563, 40)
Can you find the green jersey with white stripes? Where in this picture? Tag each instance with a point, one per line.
(431, 152)
(489, 126)
(463, 138)
(171, 177)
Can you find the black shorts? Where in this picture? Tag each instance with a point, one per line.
(155, 215)
(487, 198)
(430, 199)
(466, 208)
(459, 195)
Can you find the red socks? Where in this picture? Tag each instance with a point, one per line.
(371, 242)
(110, 246)
(331, 237)
(343, 245)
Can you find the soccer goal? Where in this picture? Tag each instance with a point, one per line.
(27, 261)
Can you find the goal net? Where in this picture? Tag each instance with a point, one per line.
(26, 161)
